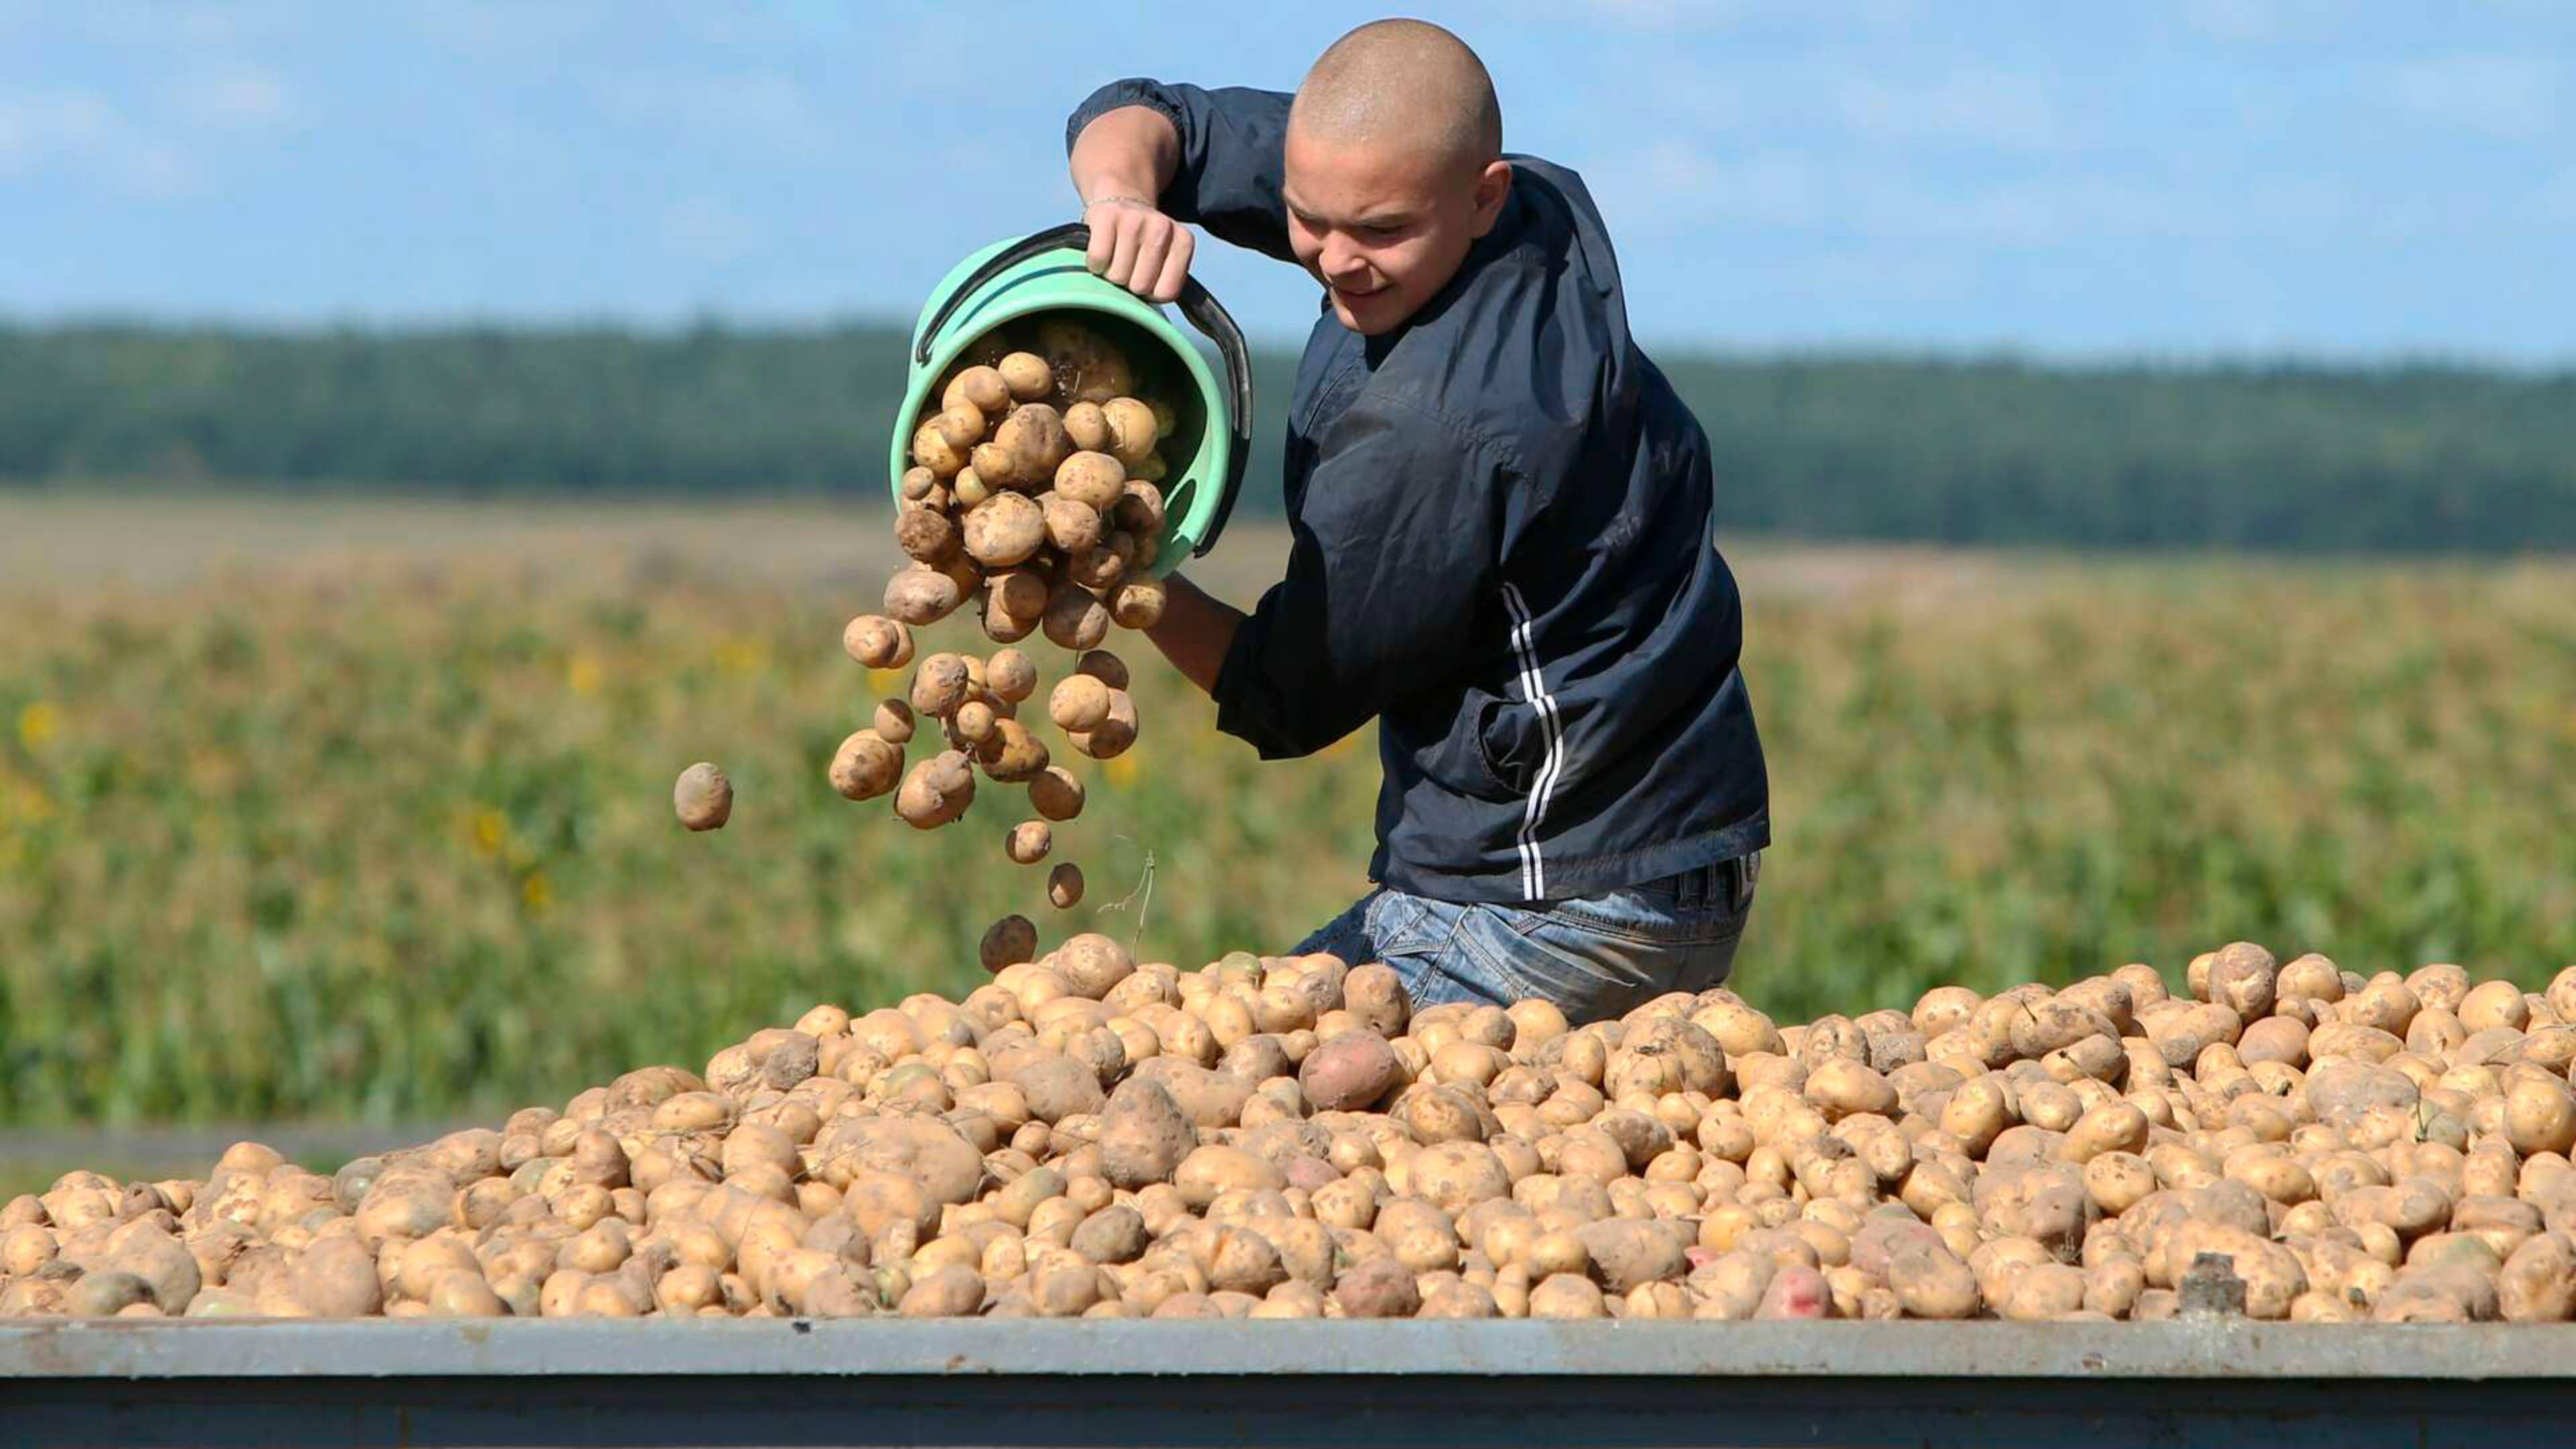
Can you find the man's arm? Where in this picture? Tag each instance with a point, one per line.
(1147, 157)
(1196, 630)
(1393, 570)
(1121, 164)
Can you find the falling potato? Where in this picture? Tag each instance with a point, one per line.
(703, 797)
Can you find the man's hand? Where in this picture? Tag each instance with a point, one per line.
(1121, 162)
(1135, 246)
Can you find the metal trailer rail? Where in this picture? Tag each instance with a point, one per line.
(2216, 1381)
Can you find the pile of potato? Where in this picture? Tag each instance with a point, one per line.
(1282, 1137)
(1033, 497)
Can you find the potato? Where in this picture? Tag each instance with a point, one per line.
(2539, 1115)
(1139, 511)
(877, 642)
(940, 684)
(951, 1292)
(971, 726)
(1071, 527)
(1104, 666)
(703, 797)
(1027, 376)
(931, 449)
(1012, 756)
(1074, 619)
(1137, 603)
(1094, 480)
(1092, 965)
(1348, 1072)
(1055, 794)
(926, 535)
(1064, 886)
(1114, 735)
(1079, 702)
(1028, 842)
(1566, 1296)
(336, 1278)
(1005, 529)
(1087, 366)
(867, 764)
(1930, 1283)
(921, 596)
(1130, 430)
(1089, 1137)
(979, 387)
(1000, 623)
(960, 425)
(1033, 439)
(1102, 567)
(1086, 426)
(937, 791)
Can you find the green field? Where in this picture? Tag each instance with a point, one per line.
(363, 809)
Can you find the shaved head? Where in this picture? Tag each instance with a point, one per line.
(1402, 84)
(1392, 169)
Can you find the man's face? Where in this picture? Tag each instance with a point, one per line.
(1384, 228)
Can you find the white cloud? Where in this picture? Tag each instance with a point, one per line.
(767, 107)
(2555, 200)
(498, 28)
(1678, 16)
(2498, 95)
(1673, 188)
(86, 134)
(1942, 102)
(2260, 22)
(705, 229)
(233, 97)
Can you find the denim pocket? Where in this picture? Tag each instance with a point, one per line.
(1589, 974)
(1403, 925)
(1635, 916)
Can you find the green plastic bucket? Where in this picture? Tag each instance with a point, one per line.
(1013, 281)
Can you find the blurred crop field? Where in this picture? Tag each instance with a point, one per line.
(362, 810)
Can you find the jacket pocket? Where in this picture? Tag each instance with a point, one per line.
(1509, 744)
(1452, 753)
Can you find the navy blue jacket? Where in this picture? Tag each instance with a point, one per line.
(1502, 552)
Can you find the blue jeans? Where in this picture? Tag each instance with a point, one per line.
(1595, 957)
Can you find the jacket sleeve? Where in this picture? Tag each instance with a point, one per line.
(1231, 156)
(1394, 563)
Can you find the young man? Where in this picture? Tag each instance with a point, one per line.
(1501, 519)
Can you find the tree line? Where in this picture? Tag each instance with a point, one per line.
(2292, 456)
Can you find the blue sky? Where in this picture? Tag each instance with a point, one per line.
(2167, 177)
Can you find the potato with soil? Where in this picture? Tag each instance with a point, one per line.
(920, 596)
(867, 764)
(1006, 529)
(703, 797)
(937, 792)
(877, 642)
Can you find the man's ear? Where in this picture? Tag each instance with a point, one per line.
(1493, 187)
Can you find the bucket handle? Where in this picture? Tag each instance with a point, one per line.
(1198, 304)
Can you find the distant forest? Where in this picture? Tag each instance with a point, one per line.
(2290, 456)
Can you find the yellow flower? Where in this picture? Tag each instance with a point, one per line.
(537, 891)
(490, 831)
(741, 656)
(583, 675)
(1121, 771)
(37, 723)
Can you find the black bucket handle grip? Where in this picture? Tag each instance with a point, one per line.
(1197, 303)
